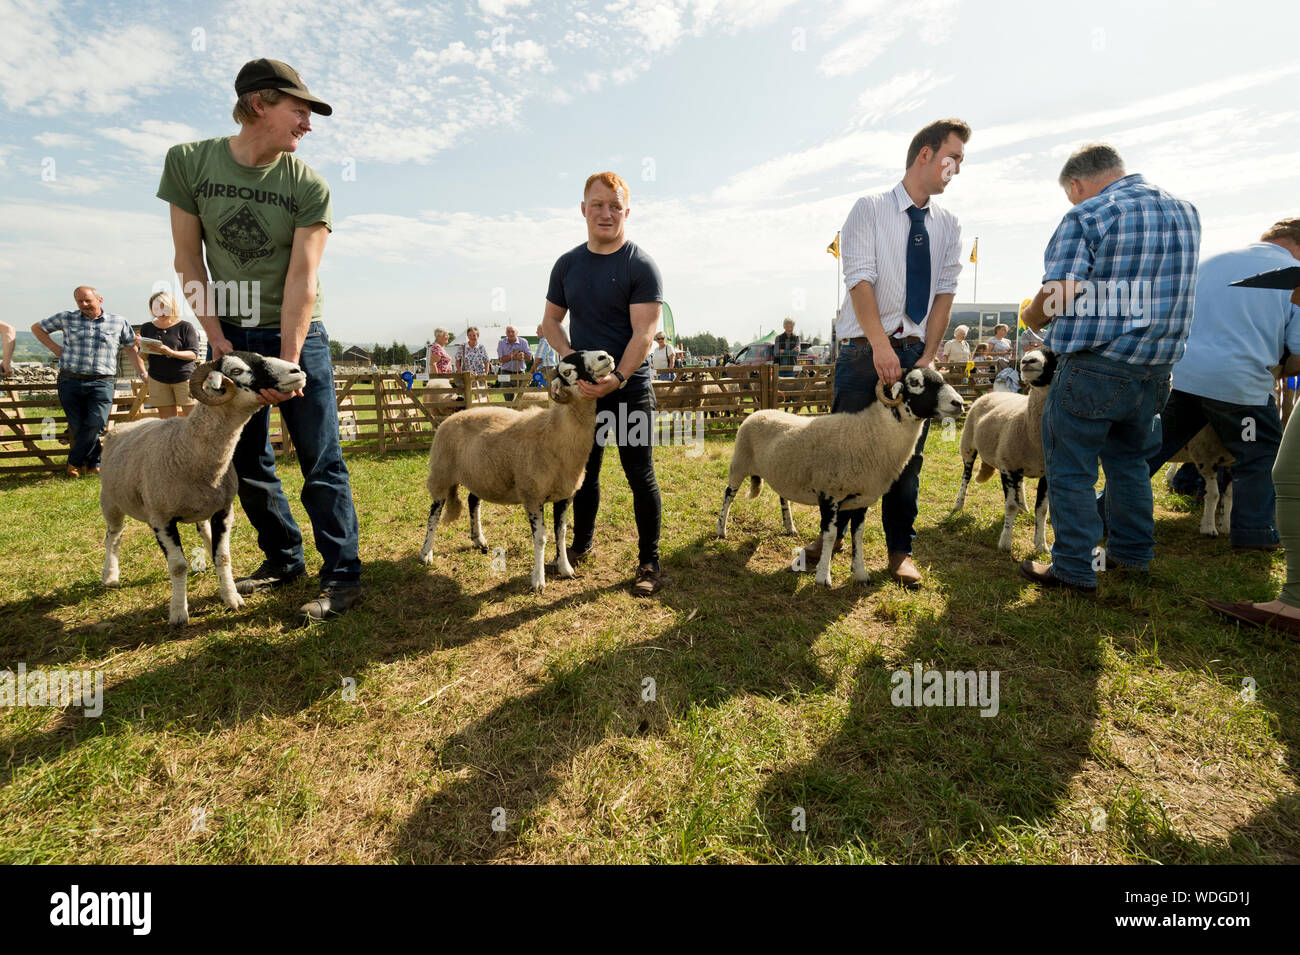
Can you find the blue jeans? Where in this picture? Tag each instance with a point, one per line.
(1101, 410)
(313, 425)
(855, 388)
(1254, 502)
(87, 405)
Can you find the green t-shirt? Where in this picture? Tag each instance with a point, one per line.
(249, 214)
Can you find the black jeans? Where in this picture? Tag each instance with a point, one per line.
(626, 420)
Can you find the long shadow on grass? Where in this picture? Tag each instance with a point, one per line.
(739, 633)
(233, 667)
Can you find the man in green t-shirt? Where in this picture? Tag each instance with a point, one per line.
(263, 216)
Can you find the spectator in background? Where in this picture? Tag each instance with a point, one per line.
(999, 344)
(785, 349)
(7, 339)
(957, 348)
(981, 351)
(473, 357)
(662, 357)
(87, 369)
(439, 362)
(546, 357)
(513, 356)
(173, 362)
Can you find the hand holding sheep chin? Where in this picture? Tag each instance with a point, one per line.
(604, 386)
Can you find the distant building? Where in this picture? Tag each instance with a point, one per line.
(980, 318)
(356, 355)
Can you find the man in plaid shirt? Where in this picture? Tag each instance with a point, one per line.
(1120, 276)
(87, 370)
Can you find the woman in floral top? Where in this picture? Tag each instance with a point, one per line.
(473, 356)
(440, 362)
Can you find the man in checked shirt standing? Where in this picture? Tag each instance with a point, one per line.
(1120, 278)
(901, 257)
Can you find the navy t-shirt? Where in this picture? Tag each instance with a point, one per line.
(597, 290)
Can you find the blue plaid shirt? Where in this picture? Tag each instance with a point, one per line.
(90, 345)
(1134, 246)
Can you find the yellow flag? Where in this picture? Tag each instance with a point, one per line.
(834, 247)
(975, 251)
(1024, 307)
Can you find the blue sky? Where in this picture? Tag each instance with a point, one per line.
(463, 131)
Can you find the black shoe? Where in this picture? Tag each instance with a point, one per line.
(1043, 575)
(334, 601)
(264, 578)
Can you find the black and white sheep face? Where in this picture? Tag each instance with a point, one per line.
(584, 366)
(926, 395)
(1038, 367)
(253, 372)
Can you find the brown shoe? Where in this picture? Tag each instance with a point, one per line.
(576, 557)
(649, 581)
(92, 470)
(1043, 575)
(1247, 613)
(73, 471)
(904, 571)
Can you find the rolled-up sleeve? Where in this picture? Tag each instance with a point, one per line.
(950, 267)
(858, 244)
(52, 324)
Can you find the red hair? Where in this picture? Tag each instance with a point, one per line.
(611, 179)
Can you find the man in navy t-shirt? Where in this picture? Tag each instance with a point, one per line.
(613, 291)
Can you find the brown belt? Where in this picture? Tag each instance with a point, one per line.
(895, 342)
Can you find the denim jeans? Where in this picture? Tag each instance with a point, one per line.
(855, 388)
(1254, 503)
(1102, 410)
(313, 425)
(638, 465)
(87, 405)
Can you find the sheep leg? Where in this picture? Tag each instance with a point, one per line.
(830, 512)
(562, 565)
(537, 522)
(435, 512)
(860, 573)
(728, 495)
(1013, 495)
(787, 520)
(169, 539)
(968, 468)
(1208, 527)
(476, 525)
(1040, 517)
(1225, 499)
(205, 531)
(112, 541)
(219, 545)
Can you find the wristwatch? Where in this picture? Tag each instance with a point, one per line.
(619, 375)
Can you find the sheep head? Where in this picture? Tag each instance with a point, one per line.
(1038, 367)
(923, 393)
(588, 366)
(219, 382)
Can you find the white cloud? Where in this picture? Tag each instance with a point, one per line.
(897, 95)
(59, 140)
(89, 71)
(151, 138)
(500, 8)
(931, 21)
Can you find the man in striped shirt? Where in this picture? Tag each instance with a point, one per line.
(901, 259)
(1118, 286)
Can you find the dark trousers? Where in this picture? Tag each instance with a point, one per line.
(855, 388)
(616, 423)
(87, 405)
(313, 424)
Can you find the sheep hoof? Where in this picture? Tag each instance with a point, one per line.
(179, 621)
(426, 557)
(824, 581)
(112, 583)
(863, 578)
(234, 602)
(482, 548)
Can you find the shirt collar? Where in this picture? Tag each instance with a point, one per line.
(904, 201)
(1123, 182)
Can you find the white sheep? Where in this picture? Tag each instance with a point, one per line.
(178, 470)
(1206, 453)
(1006, 430)
(838, 462)
(532, 457)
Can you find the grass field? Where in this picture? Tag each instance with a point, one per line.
(1123, 732)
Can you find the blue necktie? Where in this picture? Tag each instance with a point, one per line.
(918, 267)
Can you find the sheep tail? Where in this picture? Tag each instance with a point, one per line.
(452, 511)
(755, 485)
(986, 471)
